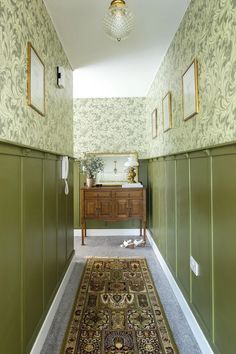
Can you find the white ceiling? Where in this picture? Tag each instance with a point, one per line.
(104, 68)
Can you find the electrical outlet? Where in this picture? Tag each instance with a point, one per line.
(194, 266)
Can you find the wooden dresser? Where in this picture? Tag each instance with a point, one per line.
(113, 204)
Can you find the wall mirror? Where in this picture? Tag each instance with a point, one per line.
(114, 172)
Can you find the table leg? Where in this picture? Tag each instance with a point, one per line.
(83, 226)
(144, 231)
(141, 227)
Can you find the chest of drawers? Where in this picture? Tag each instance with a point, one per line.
(113, 204)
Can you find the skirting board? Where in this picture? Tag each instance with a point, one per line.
(193, 324)
(109, 232)
(39, 342)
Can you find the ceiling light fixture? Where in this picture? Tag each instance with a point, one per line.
(118, 20)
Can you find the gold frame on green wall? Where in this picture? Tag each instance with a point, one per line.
(194, 83)
(34, 69)
(167, 118)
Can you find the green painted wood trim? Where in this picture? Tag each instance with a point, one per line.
(6, 144)
(206, 148)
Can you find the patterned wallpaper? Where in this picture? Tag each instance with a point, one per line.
(22, 21)
(207, 33)
(110, 125)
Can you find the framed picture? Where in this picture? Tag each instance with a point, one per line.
(190, 90)
(167, 112)
(114, 172)
(35, 81)
(154, 123)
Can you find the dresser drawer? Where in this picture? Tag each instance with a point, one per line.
(128, 194)
(97, 194)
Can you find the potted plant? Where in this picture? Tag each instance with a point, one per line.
(91, 165)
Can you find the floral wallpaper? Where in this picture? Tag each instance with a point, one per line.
(207, 32)
(110, 125)
(22, 21)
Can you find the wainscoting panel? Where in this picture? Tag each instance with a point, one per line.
(10, 254)
(201, 247)
(150, 195)
(50, 228)
(36, 242)
(161, 205)
(70, 215)
(197, 193)
(155, 216)
(224, 243)
(33, 302)
(183, 223)
(171, 215)
(62, 225)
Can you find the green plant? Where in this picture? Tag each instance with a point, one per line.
(92, 165)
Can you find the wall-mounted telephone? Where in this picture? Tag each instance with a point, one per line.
(65, 172)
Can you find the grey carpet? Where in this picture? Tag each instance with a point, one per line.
(110, 247)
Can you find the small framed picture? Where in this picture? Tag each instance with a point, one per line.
(190, 90)
(154, 123)
(167, 112)
(35, 81)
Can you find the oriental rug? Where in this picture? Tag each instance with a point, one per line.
(117, 310)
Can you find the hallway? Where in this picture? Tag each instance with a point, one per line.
(152, 110)
(110, 247)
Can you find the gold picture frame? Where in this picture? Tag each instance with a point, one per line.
(154, 123)
(167, 112)
(190, 90)
(35, 81)
(114, 173)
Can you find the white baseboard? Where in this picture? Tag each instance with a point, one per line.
(193, 324)
(39, 342)
(109, 232)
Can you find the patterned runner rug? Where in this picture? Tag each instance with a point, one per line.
(118, 311)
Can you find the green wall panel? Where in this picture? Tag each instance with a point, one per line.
(150, 196)
(70, 214)
(170, 215)
(155, 210)
(183, 224)
(224, 226)
(32, 246)
(10, 255)
(31, 233)
(161, 205)
(195, 195)
(76, 195)
(62, 224)
(50, 229)
(201, 247)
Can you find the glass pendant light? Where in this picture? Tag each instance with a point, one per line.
(118, 21)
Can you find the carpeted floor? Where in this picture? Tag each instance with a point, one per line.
(117, 310)
(110, 247)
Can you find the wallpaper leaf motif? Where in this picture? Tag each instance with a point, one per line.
(110, 125)
(207, 32)
(22, 21)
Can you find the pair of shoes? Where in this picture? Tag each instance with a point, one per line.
(133, 244)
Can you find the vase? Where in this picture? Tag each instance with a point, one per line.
(90, 182)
